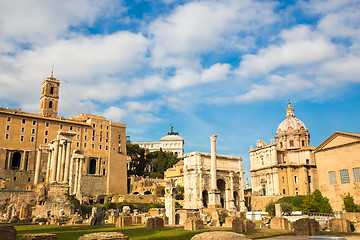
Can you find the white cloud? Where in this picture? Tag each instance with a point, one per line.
(115, 113)
(216, 72)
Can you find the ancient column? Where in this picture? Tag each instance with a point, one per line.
(48, 167)
(62, 164)
(231, 207)
(54, 160)
(76, 174)
(58, 169)
(37, 166)
(241, 189)
(276, 182)
(170, 201)
(79, 175)
(67, 162)
(200, 199)
(71, 174)
(214, 194)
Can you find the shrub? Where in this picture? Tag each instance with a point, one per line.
(349, 205)
(147, 206)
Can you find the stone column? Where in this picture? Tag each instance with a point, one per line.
(37, 166)
(231, 206)
(48, 167)
(54, 160)
(71, 177)
(67, 162)
(170, 202)
(214, 193)
(276, 183)
(58, 169)
(79, 178)
(200, 199)
(62, 164)
(76, 174)
(241, 189)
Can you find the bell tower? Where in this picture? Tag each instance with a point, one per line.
(49, 97)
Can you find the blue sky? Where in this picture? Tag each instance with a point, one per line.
(206, 67)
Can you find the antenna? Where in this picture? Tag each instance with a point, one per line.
(52, 70)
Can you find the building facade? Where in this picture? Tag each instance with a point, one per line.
(40, 148)
(338, 167)
(172, 142)
(285, 167)
(176, 173)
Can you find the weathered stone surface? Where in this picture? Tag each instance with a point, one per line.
(228, 221)
(126, 210)
(280, 223)
(104, 236)
(7, 232)
(76, 219)
(192, 224)
(242, 225)
(136, 219)
(306, 226)
(40, 220)
(25, 211)
(97, 216)
(221, 235)
(47, 236)
(14, 219)
(339, 225)
(59, 220)
(155, 222)
(154, 212)
(124, 221)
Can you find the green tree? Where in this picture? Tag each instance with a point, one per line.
(322, 203)
(138, 161)
(309, 204)
(348, 203)
(161, 161)
(270, 208)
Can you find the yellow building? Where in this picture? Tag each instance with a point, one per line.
(338, 167)
(26, 138)
(176, 173)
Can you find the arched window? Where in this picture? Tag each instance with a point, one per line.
(50, 104)
(221, 186)
(51, 90)
(205, 198)
(16, 159)
(92, 169)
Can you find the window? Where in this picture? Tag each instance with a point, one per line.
(107, 127)
(21, 138)
(45, 140)
(107, 140)
(78, 129)
(85, 137)
(47, 124)
(93, 133)
(100, 139)
(283, 179)
(7, 136)
(296, 191)
(291, 143)
(71, 128)
(33, 131)
(307, 161)
(8, 119)
(34, 122)
(106, 148)
(344, 176)
(119, 136)
(77, 144)
(23, 121)
(7, 128)
(22, 129)
(51, 90)
(296, 179)
(84, 145)
(309, 179)
(303, 143)
(92, 145)
(94, 125)
(104, 171)
(78, 137)
(107, 134)
(332, 178)
(93, 139)
(61, 126)
(100, 146)
(100, 126)
(100, 133)
(50, 104)
(32, 139)
(85, 129)
(356, 172)
(284, 191)
(46, 132)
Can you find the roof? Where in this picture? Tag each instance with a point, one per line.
(338, 139)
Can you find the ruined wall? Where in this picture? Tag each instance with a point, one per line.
(258, 203)
(15, 198)
(92, 185)
(18, 179)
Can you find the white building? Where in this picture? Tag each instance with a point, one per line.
(172, 142)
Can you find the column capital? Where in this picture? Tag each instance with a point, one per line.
(213, 138)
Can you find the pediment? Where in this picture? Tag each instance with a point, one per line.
(338, 139)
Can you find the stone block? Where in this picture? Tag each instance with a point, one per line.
(104, 236)
(228, 221)
(45, 236)
(7, 232)
(25, 211)
(242, 225)
(339, 225)
(112, 219)
(192, 224)
(154, 212)
(280, 223)
(155, 222)
(76, 219)
(136, 219)
(124, 221)
(219, 235)
(306, 226)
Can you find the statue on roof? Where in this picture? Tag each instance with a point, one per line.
(172, 131)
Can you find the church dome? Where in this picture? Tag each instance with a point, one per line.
(291, 121)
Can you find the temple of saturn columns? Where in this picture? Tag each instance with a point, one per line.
(63, 166)
(213, 181)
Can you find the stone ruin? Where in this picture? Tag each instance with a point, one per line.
(97, 216)
(340, 225)
(7, 232)
(306, 226)
(155, 222)
(192, 224)
(104, 236)
(219, 235)
(242, 225)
